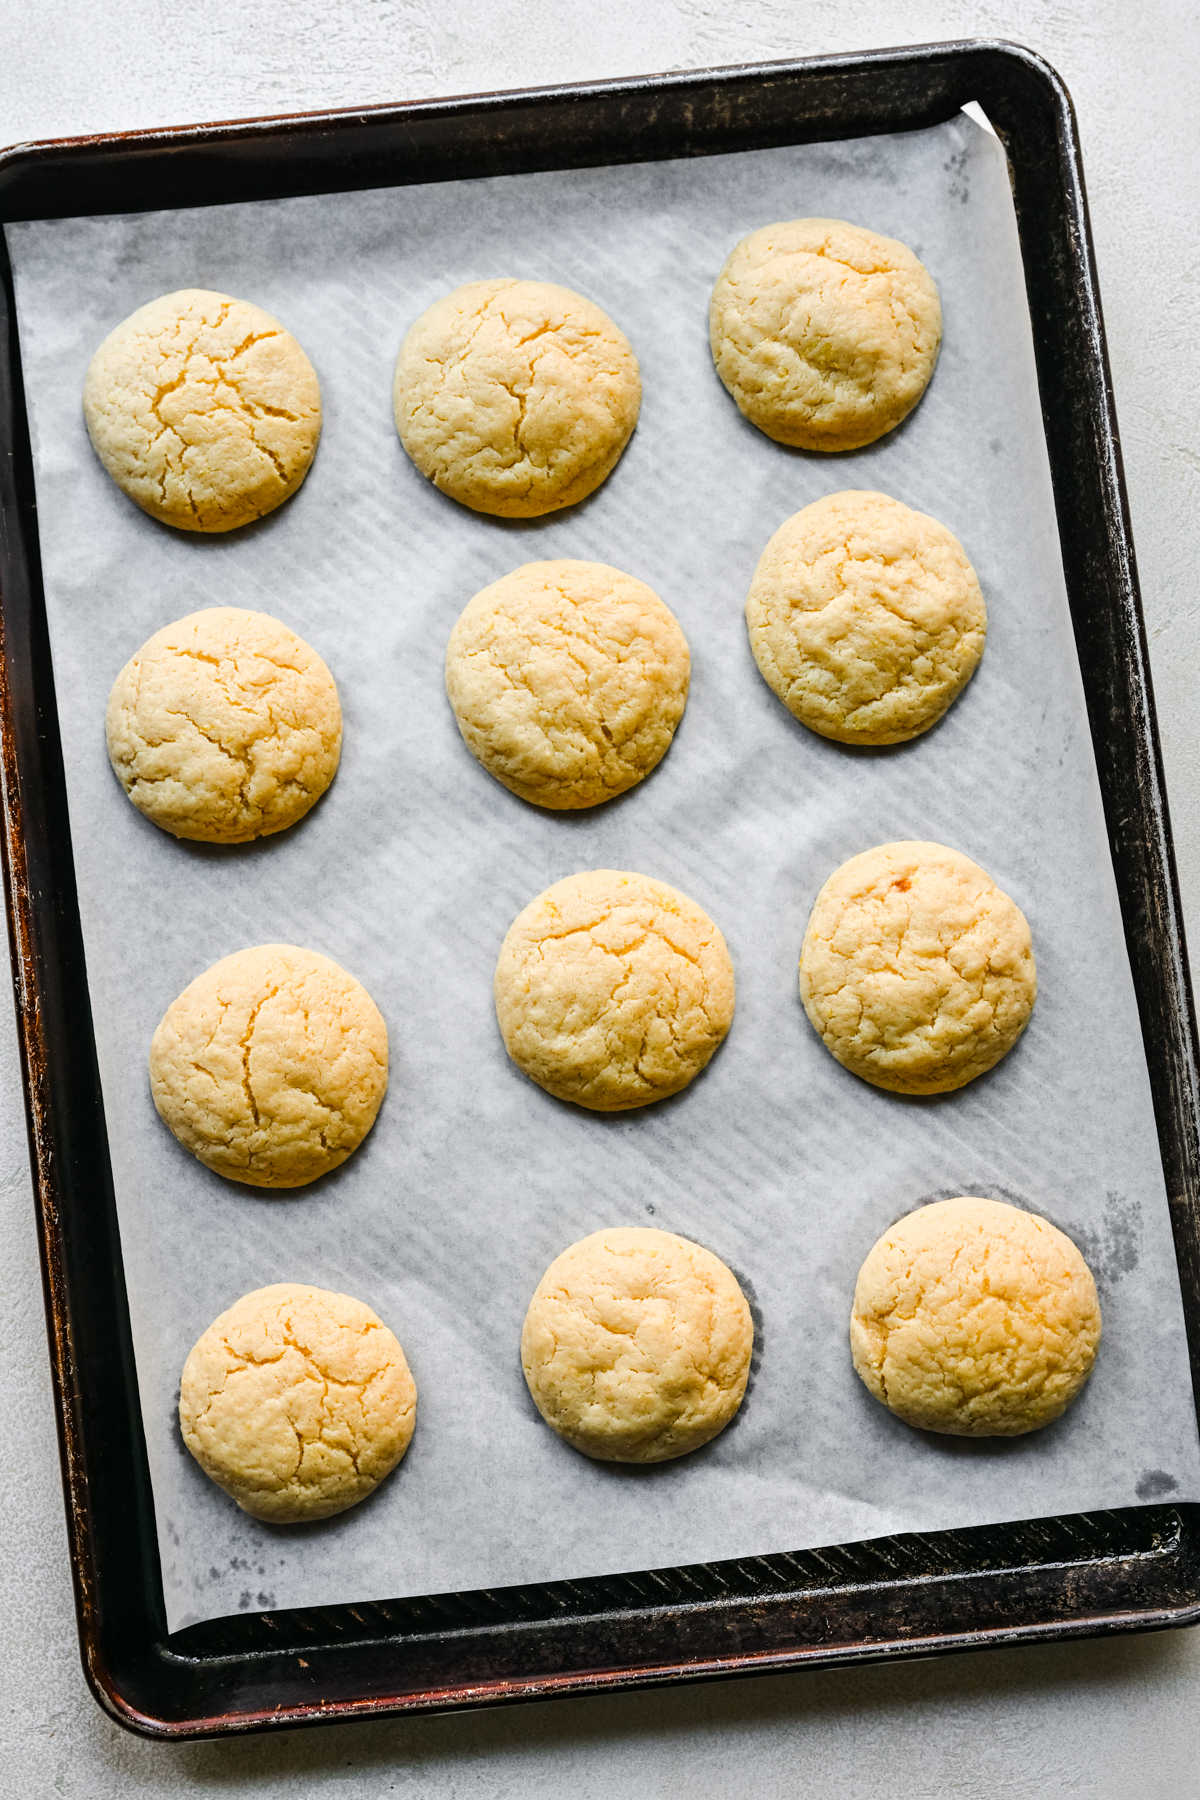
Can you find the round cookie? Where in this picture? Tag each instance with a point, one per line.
(203, 409)
(613, 990)
(271, 1066)
(916, 969)
(298, 1402)
(865, 618)
(636, 1346)
(974, 1318)
(567, 680)
(224, 726)
(825, 334)
(516, 397)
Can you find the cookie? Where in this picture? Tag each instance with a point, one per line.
(825, 334)
(271, 1066)
(865, 618)
(613, 990)
(916, 969)
(974, 1318)
(224, 726)
(203, 409)
(298, 1402)
(567, 680)
(516, 397)
(636, 1346)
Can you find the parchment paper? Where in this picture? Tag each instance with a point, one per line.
(411, 869)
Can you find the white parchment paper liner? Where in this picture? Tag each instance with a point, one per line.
(412, 867)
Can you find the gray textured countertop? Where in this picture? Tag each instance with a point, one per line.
(1100, 1719)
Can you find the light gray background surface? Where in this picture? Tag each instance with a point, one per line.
(1108, 1720)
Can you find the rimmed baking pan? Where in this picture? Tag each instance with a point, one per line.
(1126, 1569)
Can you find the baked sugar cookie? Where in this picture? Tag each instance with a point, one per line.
(298, 1402)
(825, 334)
(203, 409)
(613, 990)
(636, 1346)
(224, 726)
(271, 1066)
(916, 969)
(865, 618)
(516, 397)
(567, 680)
(975, 1318)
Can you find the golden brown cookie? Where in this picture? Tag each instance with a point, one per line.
(271, 1066)
(224, 726)
(567, 680)
(613, 990)
(636, 1346)
(298, 1402)
(975, 1318)
(824, 333)
(516, 397)
(916, 969)
(203, 409)
(865, 618)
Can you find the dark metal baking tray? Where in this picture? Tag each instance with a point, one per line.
(1130, 1569)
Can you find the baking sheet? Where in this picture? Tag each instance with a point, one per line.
(411, 869)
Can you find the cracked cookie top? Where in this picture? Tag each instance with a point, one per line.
(636, 1345)
(225, 726)
(824, 333)
(916, 969)
(516, 397)
(974, 1318)
(865, 618)
(203, 409)
(297, 1401)
(613, 990)
(567, 680)
(271, 1066)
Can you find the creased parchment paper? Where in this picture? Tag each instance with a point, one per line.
(412, 867)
